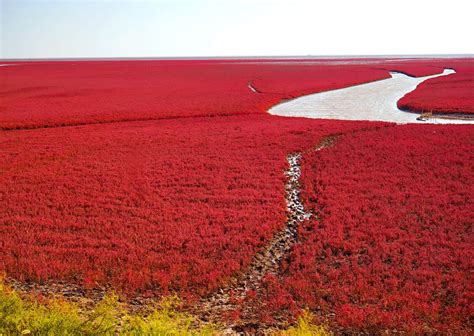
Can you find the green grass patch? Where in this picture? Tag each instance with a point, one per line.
(306, 327)
(108, 317)
(30, 315)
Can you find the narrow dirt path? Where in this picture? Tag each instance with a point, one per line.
(267, 261)
(212, 308)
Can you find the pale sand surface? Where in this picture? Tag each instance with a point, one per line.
(376, 101)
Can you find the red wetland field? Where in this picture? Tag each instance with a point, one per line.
(154, 178)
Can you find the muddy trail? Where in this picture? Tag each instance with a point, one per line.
(234, 296)
(268, 261)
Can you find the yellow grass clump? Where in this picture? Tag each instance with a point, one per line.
(23, 316)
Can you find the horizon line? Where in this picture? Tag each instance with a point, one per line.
(257, 57)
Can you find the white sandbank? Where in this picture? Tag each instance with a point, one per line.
(376, 101)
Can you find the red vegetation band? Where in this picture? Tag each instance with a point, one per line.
(48, 94)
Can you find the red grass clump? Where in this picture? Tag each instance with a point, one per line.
(393, 249)
(447, 94)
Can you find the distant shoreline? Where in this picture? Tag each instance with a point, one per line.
(295, 57)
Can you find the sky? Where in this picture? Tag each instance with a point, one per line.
(200, 28)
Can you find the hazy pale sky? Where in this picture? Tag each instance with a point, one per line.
(165, 28)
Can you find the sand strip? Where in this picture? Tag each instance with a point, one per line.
(376, 101)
